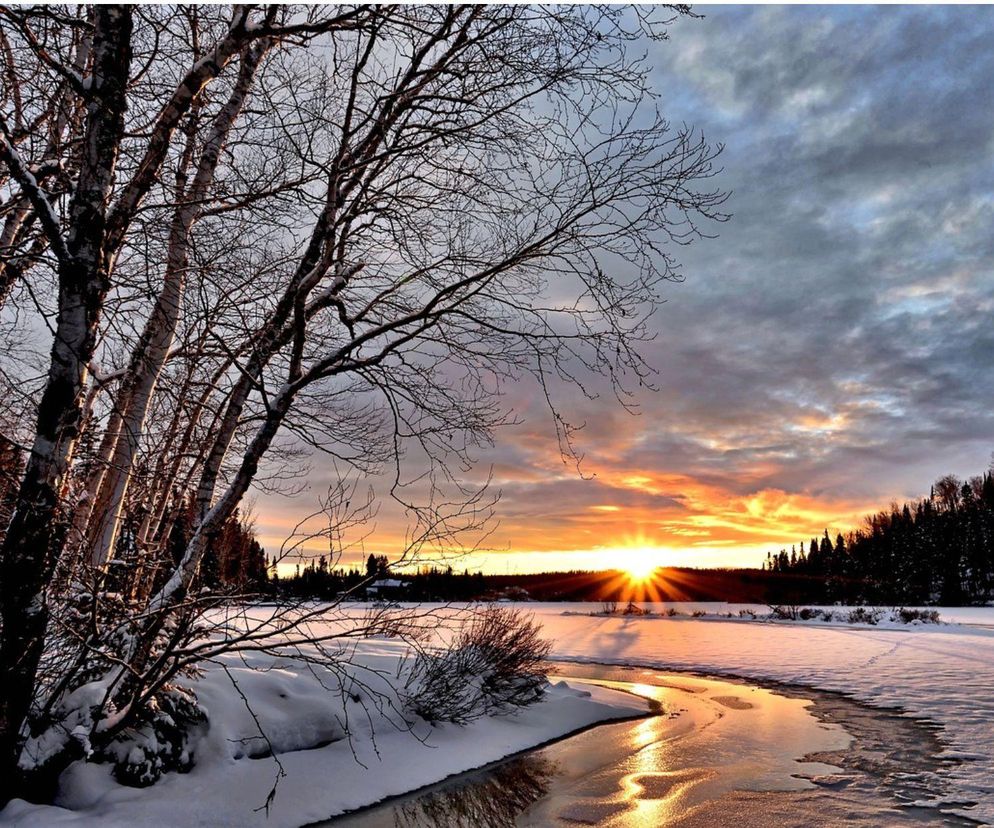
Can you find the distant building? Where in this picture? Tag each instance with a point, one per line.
(389, 588)
(509, 594)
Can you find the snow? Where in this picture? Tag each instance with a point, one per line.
(853, 617)
(306, 714)
(940, 672)
(49, 219)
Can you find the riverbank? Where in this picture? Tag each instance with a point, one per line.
(938, 673)
(328, 748)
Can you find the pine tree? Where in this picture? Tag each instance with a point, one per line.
(937, 549)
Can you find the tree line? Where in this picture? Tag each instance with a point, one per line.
(234, 563)
(319, 580)
(935, 550)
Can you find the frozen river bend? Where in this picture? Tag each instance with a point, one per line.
(718, 748)
(939, 673)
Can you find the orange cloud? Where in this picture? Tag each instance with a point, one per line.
(677, 519)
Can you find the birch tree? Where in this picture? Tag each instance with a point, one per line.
(343, 228)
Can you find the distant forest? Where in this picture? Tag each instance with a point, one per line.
(937, 550)
(316, 580)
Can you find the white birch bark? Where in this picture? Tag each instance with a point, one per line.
(153, 347)
(28, 553)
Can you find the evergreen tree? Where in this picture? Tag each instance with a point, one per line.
(938, 549)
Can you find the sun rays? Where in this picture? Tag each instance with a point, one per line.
(639, 563)
(640, 573)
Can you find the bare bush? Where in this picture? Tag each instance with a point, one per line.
(909, 616)
(634, 609)
(785, 612)
(493, 665)
(864, 615)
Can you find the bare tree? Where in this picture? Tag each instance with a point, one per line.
(268, 228)
(83, 264)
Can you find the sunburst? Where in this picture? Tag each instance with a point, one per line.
(639, 564)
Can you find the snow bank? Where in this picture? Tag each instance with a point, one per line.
(306, 715)
(943, 673)
(865, 616)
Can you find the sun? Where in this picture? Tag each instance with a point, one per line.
(638, 563)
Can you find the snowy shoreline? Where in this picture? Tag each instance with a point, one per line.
(768, 752)
(228, 785)
(486, 766)
(940, 674)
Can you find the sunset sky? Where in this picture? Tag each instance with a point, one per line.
(830, 351)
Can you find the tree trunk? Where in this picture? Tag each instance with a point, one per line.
(32, 540)
(208, 526)
(151, 351)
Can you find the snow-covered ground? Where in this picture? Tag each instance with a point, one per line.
(722, 610)
(944, 673)
(305, 716)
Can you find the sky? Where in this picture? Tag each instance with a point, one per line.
(831, 351)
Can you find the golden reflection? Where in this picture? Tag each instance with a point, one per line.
(646, 732)
(658, 799)
(654, 791)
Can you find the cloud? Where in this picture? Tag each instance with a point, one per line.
(832, 349)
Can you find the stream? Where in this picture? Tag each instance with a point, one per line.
(718, 753)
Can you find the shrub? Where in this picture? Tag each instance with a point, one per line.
(785, 612)
(909, 616)
(864, 615)
(160, 741)
(493, 665)
(747, 613)
(699, 613)
(672, 611)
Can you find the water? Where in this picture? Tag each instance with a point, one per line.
(719, 753)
